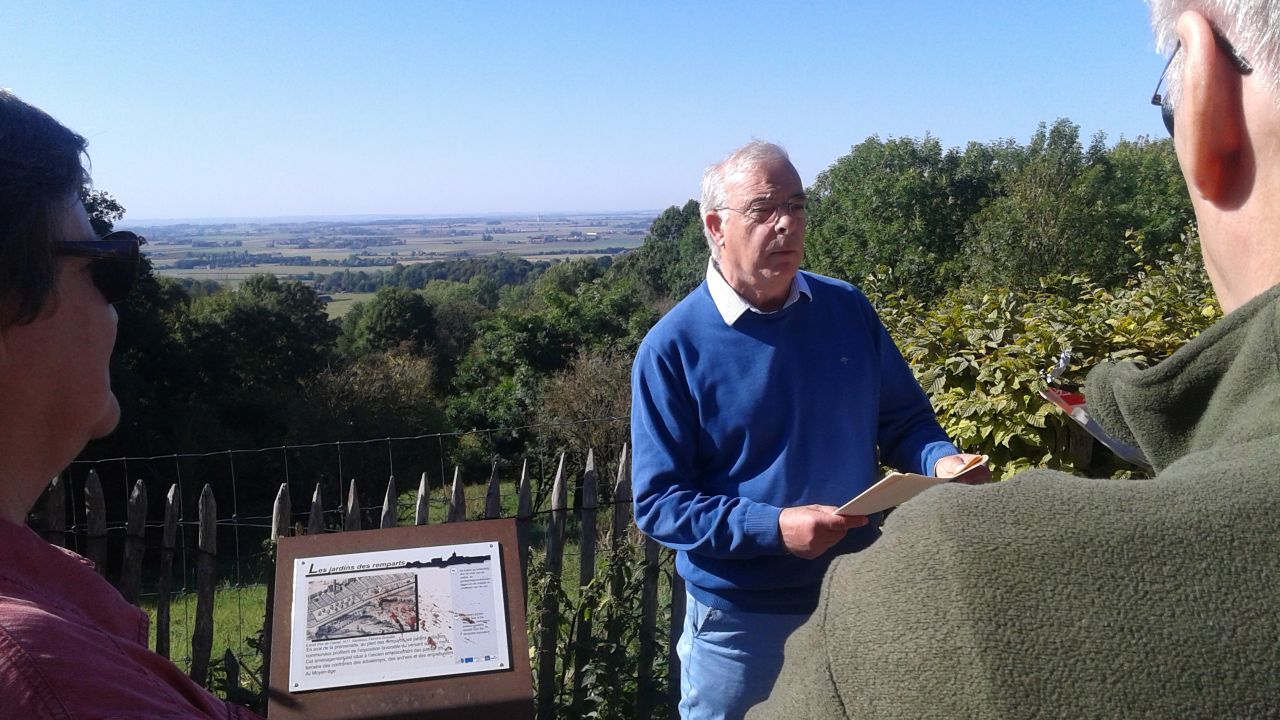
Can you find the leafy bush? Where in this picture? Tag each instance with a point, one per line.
(980, 353)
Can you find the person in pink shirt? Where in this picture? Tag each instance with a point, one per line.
(71, 648)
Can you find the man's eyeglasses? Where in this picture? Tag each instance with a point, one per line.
(1244, 67)
(113, 261)
(769, 213)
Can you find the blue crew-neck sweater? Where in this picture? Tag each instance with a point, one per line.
(731, 424)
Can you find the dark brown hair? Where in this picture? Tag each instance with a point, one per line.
(41, 174)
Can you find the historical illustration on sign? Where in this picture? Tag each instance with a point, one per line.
(362, 606)
(397, 615)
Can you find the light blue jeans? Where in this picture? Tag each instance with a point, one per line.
(729, 660)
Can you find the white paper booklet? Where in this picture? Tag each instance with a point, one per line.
(896, 488)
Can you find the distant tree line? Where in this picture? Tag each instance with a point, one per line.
(501, 269)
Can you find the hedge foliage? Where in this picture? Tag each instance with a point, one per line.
(981, 354)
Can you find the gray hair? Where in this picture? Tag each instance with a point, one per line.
(714, 178)
(1251, 26)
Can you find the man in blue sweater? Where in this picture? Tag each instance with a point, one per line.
(762, 401)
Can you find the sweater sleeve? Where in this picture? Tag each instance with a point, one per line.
(669, 505)
(909, 436)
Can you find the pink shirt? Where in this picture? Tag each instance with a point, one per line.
(71, 648)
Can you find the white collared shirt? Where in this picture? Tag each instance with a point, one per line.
(732, 305)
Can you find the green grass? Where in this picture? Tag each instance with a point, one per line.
(237, 615)
(342, 303)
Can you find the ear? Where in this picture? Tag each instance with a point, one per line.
(1210, 127)
(714, 225)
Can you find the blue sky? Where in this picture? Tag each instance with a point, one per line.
(270, 109)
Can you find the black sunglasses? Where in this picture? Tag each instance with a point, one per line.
(113, 261)
(1244, 67)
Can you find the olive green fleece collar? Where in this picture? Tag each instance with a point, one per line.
(1222, 386)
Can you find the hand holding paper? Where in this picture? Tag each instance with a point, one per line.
(965, 467)
(897, 488)
(810, 530)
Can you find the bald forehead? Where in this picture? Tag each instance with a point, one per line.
(769, 179)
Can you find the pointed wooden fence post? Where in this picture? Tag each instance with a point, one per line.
(95, 509)
(389, 502)
(621, 502)
(618, 544)
(493, 497)
(549, 615)
(168, 544)
(351, 516)
(206, 582)
(422, 513)
(645, 690)
(231, 667)
(315, 518)
(281, 514)
(55, 512)
(586, 574)
(458, 499)
(524, 516)
(134, 544)
(678, 602)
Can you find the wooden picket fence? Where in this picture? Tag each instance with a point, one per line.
(552, 662)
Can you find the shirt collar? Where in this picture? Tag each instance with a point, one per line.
(732, 305)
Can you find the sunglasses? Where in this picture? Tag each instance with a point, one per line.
(1161, 100)
(113, 261)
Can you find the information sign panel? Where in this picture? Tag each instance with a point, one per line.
(398, 622)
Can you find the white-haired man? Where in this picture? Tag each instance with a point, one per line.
(1055, 596)
(764, 399)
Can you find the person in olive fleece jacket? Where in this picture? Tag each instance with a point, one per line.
(1050, 595)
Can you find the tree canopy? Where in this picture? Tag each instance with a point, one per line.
(998, 213)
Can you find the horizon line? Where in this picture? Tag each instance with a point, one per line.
(370, 217)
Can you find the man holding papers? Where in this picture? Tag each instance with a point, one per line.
(1050, 595)
(762, 401)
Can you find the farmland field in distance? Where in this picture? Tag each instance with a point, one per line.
(229, 252)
